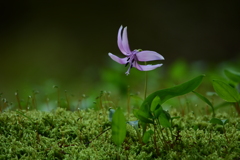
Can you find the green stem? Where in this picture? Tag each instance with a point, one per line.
(237, 107)
(146, 79)
(155, 140)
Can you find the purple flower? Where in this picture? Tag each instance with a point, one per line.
(132, 57)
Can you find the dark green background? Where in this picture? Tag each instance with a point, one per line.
(56, 42)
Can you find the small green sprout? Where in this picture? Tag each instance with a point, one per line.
(118, 127)
(220, 122)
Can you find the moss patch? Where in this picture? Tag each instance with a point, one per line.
(85, 134)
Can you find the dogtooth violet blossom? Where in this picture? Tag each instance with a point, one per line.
(133, 57)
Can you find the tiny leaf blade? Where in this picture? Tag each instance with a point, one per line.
(224, 121)
(164, 119)
(118, 127)
(235, 77)
(147, 136)
(225, 91)
(142, 116)
(157, 112)
(134, 124)
(216, 121)
(205, 100)
(154, 103)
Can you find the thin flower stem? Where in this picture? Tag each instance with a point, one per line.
(128, 102)
(18, 100)
(146, 79)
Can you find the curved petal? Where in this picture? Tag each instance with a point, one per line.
(117, 59)
(146, 67)
(145, 56)
(119, 41)
(125, 44)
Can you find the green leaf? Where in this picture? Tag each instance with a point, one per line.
(118, 127)
(154, 103)
(175, 117)
(195, 127)
(157, 112)
(168, 93)
(235, 77)
(142, 116)
(164, 119)
(216, 121)
(224, 121)
(225, 91)
(205, 100)
(147, 136)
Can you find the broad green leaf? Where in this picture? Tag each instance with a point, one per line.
(154, 103)
(168, 93)
(142, 116)
(205, 100)
(225, 91)
(118, 127)
(216, 121)
(235, 77)
(147, 136)
(164, 119)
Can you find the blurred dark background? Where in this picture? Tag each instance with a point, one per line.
(64, 42)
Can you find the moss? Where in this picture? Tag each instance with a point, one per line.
(62, 134)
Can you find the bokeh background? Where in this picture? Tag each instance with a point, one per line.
(66, 43)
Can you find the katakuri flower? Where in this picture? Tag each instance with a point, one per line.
(133, 57)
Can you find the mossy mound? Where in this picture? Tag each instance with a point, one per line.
(85, 134)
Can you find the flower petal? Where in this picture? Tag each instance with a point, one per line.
(145, 56)
(117, 59)
(125, 42)
(119, 41)
(146, 67)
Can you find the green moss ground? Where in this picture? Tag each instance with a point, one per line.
(84, 134)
